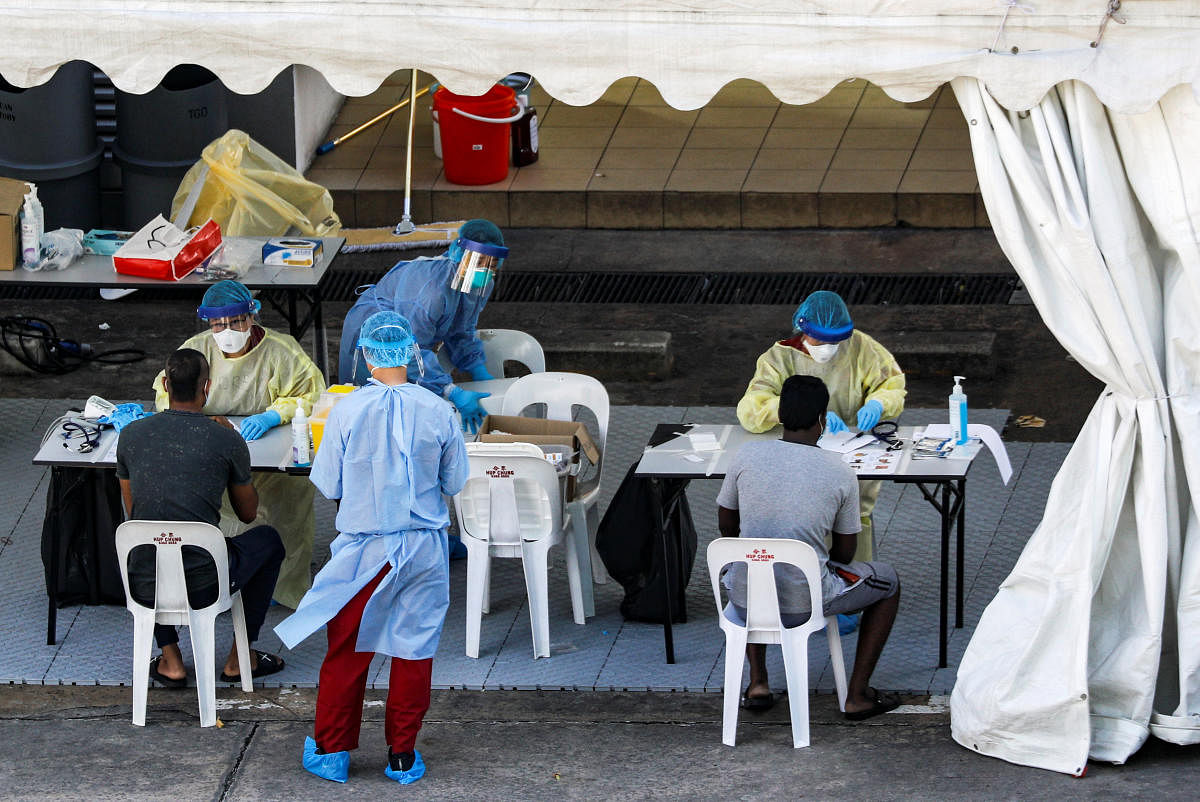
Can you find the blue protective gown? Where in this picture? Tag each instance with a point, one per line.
(420, 290)
(389, 453)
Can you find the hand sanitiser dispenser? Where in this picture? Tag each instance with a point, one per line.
(958, 412)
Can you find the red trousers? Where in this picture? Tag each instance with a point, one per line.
(344, 681)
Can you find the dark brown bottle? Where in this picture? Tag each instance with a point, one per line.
(525, 138)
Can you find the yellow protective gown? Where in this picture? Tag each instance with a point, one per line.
(862, 370)
(276, 374)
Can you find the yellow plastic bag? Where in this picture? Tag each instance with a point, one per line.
(250, 191)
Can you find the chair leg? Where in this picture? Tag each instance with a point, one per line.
(241, 641)
(837, 659)
(534, 559)
(202, 630)
(735, 658)
(485, 607)
(575, 561)
(478, 570)
(143, 634)
(795, 666)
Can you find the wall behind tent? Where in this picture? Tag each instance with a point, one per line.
(62, 136)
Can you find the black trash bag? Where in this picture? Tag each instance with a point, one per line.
(83, 510)
(632, 551)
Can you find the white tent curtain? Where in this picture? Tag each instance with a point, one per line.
(1091, 643)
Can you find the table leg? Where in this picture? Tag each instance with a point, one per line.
(661, 521)
(294, 327)
(52, 582)
(944, 589)
(958, 553)
(320, 340)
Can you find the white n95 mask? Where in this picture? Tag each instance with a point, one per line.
(822, 353)
(231, 340)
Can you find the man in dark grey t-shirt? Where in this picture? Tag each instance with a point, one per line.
(790, 488)
(177, 466)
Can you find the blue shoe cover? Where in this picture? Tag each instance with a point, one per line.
(847, 623)
(458, 549)
(408, 777)
(333, 766)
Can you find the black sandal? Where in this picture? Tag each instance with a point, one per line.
(268, 664)
(174, 683)
(880, 705)
(757, 704)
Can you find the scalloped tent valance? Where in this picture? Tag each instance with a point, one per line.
(688, 48)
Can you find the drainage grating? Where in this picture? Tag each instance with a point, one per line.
(665, 288)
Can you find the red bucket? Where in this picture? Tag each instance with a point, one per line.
(475, 131)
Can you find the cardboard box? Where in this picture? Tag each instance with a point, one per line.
(542, 432)
(12, 194)
(292, 251)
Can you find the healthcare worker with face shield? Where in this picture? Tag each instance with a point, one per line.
(865, 383)
(391, 452)
(265, 375)
(442, 298)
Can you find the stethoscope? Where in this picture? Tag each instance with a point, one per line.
(89, 433)
(885, 432)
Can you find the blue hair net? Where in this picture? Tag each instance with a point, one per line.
(387, 340)
(479, 230)
(824, 316)
(226, 299)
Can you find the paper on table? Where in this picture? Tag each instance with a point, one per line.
(990, 438)
(703, 441)
(844, 442)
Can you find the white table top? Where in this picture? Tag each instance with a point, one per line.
(271, 452)
(97, 271)
(675, 459)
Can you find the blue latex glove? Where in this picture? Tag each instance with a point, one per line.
(467, 403)
(847, 623)
(869, 415)
(256, 426)
(479, 372)
(407, 777)
(124, 415)
(330, 766)
(833, 424)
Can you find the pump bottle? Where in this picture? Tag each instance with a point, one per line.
(525, 135)
(32, 227)
(301, 453)
(958, 412)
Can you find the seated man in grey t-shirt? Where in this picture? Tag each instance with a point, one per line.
(790, 488)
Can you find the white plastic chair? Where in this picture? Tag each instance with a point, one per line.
(511, 506)
(763, 625)
(560, 392)
(503, 345)
(171, 607)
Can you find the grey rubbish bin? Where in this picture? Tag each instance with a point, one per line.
(48, 136)
(160, 135)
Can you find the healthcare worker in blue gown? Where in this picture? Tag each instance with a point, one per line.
(390, 452)
(442, 298)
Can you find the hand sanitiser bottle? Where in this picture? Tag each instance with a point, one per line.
(32, 228)
(958, 412)
(301, 453)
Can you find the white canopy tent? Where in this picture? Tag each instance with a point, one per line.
(1093, 190)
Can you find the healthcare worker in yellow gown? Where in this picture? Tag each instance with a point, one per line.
(265, 375)
(865, 383)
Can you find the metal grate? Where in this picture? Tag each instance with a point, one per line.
(668, 288)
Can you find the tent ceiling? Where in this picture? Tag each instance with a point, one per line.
(688, 48)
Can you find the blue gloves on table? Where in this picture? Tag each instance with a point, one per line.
(479, 372)
(467, 403)
(869, 415)
(125, 414)
(256, 426)
(833, 424)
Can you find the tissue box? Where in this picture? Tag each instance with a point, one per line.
(291, 251)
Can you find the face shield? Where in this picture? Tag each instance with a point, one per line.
(477, 265)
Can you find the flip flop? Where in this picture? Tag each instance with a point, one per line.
(882, 704)
(162, 679)
(758, 704)
(268, 664)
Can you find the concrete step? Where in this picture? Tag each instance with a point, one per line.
(608, 354)
(942, 353)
